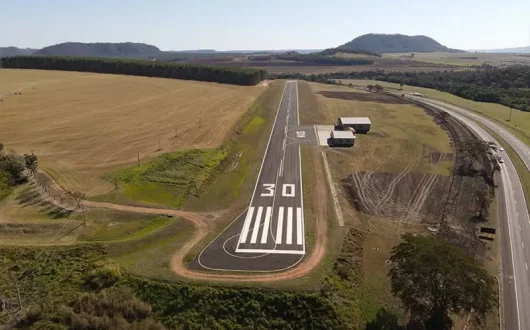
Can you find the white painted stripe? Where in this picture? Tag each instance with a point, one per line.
(279, 230)
(246, 225)
(265, 232)
(299, 226)
(289, 239)
(254, 236)
(270, 251)
(281, 167)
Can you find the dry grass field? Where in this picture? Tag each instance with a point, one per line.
(82, 125)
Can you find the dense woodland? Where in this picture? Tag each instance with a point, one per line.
(325, 60)
(509, 86)
(235, 76)
(333, 51)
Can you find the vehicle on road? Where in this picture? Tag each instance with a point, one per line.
(501, 160)
(501, 149)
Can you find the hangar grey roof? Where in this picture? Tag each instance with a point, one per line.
(342, 135)
(355, 120)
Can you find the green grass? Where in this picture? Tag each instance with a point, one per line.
(167, 180)
(405, 129)
(150, 255)
(519, 124)
(255, 124)
(128, 230)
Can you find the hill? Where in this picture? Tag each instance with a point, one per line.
(100, 49)
(519, 50)
(397, 43)
(14, 51)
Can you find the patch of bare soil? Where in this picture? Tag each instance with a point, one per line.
(436, 157)
(408, 197)
(364, 97)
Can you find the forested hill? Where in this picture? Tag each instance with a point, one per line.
(100, 49)
(14, 51)
(397, 43)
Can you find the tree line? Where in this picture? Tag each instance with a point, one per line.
(509, 86)
(333, 51)
(235, 76)
(324, 60)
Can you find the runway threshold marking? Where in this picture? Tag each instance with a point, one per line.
(254, 236)
(265, 232)
(289, 238)
(279, 229)
(246, 225)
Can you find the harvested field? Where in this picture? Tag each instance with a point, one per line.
(364, 97)
(83, 125)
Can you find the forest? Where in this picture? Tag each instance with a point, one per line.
(509, 86)
(324, 60)
(234, 76)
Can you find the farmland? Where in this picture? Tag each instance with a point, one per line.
(463, 59)
(83, 125)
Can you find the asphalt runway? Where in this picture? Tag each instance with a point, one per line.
(269, 234)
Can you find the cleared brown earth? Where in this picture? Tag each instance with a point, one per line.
(82, 125)
(364, 97)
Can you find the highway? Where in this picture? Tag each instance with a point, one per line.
(515, 230)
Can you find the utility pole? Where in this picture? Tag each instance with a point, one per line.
(510, 118)
(159, 148)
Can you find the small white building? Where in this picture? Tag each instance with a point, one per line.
(342, 139)
(359, 124)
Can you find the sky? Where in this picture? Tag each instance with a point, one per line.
(262, 24)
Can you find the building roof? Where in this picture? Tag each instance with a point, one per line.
(355, 120)
(342, 135)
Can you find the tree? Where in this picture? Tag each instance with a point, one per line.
(482, 197)
(369, 87)
(31, 163)
(473, 150)
(378, 88)
(443, 116)
(13, 167)
(495, 167)
(401, 86)
(77, 198)
(434, 279)
(44, 181)
(1, 148)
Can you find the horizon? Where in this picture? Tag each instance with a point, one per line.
(236, 25)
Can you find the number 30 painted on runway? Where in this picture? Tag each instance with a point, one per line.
(269, 187)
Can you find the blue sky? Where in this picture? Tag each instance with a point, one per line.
(262, 24)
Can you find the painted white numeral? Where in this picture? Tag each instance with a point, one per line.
(270, 189)
(288, 190)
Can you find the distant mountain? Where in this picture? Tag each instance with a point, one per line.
(100, 49)
(517, 50)
(397, 43)
(14, 51)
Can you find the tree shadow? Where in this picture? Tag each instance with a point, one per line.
(59, 213)
(30, 197)
(384, 320)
